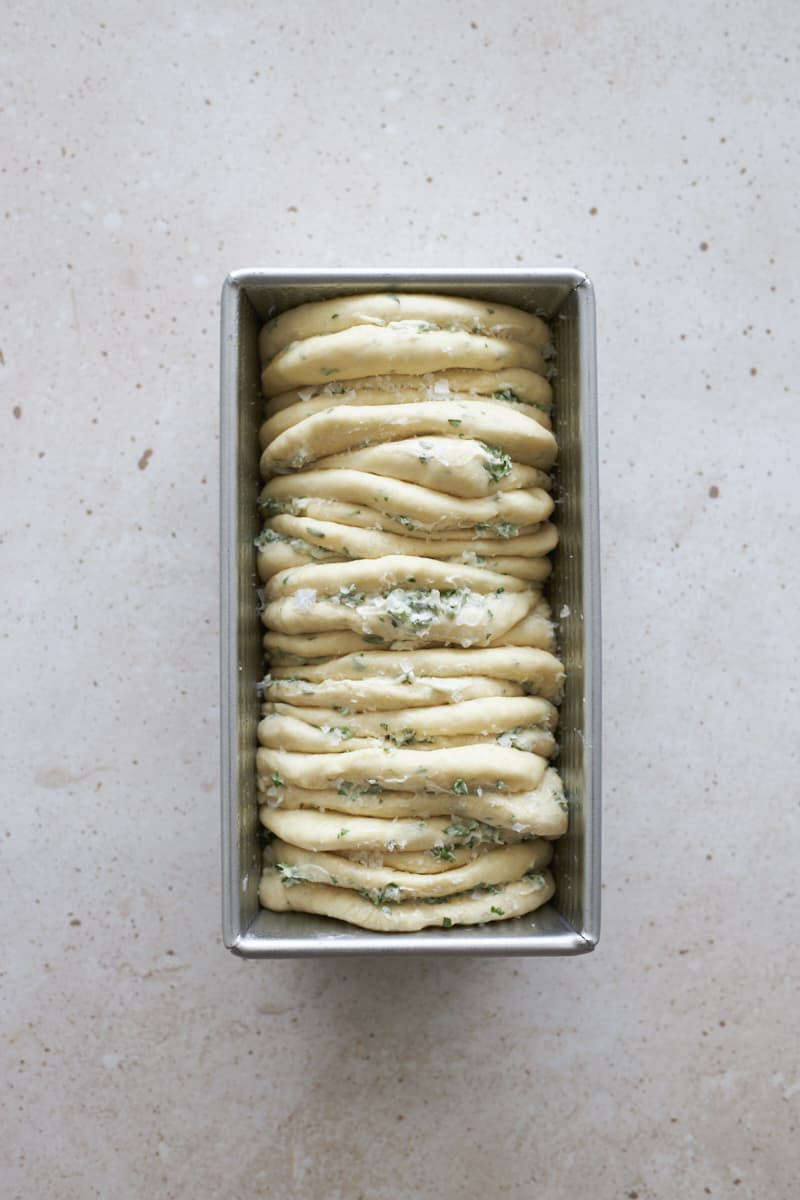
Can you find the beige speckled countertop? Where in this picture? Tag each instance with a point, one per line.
(149, 149)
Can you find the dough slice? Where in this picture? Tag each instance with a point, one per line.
(286, 415)
(329, 538)
(536, 629)
(456, 771)
(513, 900)
(382, 308)
(390, 349)
(414, 616)
(279, 552)
(511, 433)
(534, 570)
(384, 885)
(369, 695)
(391, 571)
(331, 831)
(298, 650)
(286, 732)
(358, 517)
(421, 506)
(536, 668)
(423, 862)
(543, 811)
(513, 386)
(458, 466)
(285, 556)
(491, 715)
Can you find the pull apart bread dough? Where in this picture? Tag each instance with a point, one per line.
(506, 435)
(288, 541)
(409, 720)
(503, 864)
(406, 346)
(290, 408)
(477, 907)
(381, 309)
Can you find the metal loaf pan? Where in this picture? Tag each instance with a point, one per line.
(570, 924)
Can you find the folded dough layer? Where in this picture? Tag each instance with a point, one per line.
(382, 308)
(470, 908)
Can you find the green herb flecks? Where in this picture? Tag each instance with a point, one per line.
(290, 874)
(497, 463)
(346, 787)
(379, 896)
(503, 529)
(405, 737)
(471, 833)
(270, 506)
(350, 596)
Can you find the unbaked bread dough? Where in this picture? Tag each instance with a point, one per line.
(505, 433)
(387, 885)
(389, 349)
(408, 723)
(542, 811)
(385, 308)
(470, 908)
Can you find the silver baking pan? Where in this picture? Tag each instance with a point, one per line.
(570, 924)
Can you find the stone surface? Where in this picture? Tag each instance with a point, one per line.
(149, 149)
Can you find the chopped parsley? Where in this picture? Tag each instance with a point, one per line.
(350, 596)
(444, 853)
(276, 780)
(503, 529)
(500, 912)
(446, 923)
(460, 787)
(342, 833)
(290, 875)
(453, 420)
(380, 896)
(497, 463)
(471, 833)
(405, 737)
(508, 394)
